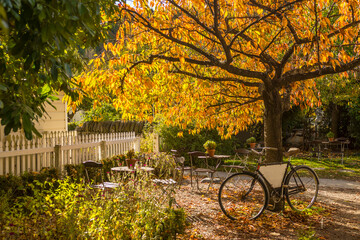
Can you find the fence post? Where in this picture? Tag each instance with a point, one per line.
(137, 144)
(156, 147)
(103, 153)
(57, 150)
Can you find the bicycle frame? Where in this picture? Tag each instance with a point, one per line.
(280, 191)
(269, 183)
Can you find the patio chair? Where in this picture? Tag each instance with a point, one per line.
(97, 167)
(167, 187)
(201, 167)
(180, 162)
(239, 161)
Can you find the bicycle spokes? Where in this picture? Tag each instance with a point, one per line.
(242, 196)
(302, 188)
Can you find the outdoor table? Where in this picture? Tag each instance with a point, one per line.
(129, 171)
(126, 169)
(219, 159)
(337, 144)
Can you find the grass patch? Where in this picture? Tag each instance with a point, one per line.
(333, 168)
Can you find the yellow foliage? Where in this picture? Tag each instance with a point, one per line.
(229, 58)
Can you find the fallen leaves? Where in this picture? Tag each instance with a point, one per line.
(212, 224)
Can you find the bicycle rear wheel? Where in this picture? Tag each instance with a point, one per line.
(303, 187)
(243, 195)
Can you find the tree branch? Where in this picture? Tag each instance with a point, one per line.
(214, 79)
(295, 75)
(147, 24)
(272, 12)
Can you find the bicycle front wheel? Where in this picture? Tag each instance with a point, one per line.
(302, 188)
(243, 196)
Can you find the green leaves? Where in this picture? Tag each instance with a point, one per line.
(41, 51)
(3, 20)
(45, 90)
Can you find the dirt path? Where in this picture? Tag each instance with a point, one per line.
(340, 199)
(344, 197)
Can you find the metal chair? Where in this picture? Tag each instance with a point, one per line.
(167, 187)
(239, 161)
(201, 166)
(98, 167)
(180, 162)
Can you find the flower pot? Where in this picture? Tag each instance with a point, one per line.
(131, 163)
(211, 152)
(331, 139)
(252, 145)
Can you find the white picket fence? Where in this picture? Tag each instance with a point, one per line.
(56, 149)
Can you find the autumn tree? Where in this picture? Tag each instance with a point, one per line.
(224, 64)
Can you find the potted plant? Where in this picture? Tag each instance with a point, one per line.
(130, 159)
(330, 135)
(251, 141)
(210, 146)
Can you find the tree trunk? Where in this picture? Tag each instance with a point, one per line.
(273, 136)
(335, 119)
(273, 125)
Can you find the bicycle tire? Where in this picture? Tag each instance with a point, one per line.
(243, 195)
(302, 188)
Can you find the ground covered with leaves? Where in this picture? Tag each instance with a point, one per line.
(335, 216)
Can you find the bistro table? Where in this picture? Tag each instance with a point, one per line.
(218, 158)
(337, 146)
(126, 169)
(129, 171)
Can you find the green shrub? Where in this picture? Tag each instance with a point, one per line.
(75, 172)
(72, 211)
(147, 140)
(114, 161)
(16, 186)
(189, 142)
(42, 176)
(164, 165)
(72, 125)
(12, 186)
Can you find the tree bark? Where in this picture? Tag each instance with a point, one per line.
(335, 119)
(273, 135)
(273, 125)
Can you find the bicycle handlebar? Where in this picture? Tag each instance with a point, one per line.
(262, 153)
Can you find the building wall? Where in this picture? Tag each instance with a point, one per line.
(54, 120)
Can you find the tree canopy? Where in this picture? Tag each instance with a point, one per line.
(224, 64)
(40, 43)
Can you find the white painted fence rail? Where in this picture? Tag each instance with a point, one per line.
(56, 149)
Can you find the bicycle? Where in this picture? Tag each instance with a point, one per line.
(247, 194)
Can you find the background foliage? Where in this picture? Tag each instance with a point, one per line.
(40, 44)
(61, 209)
